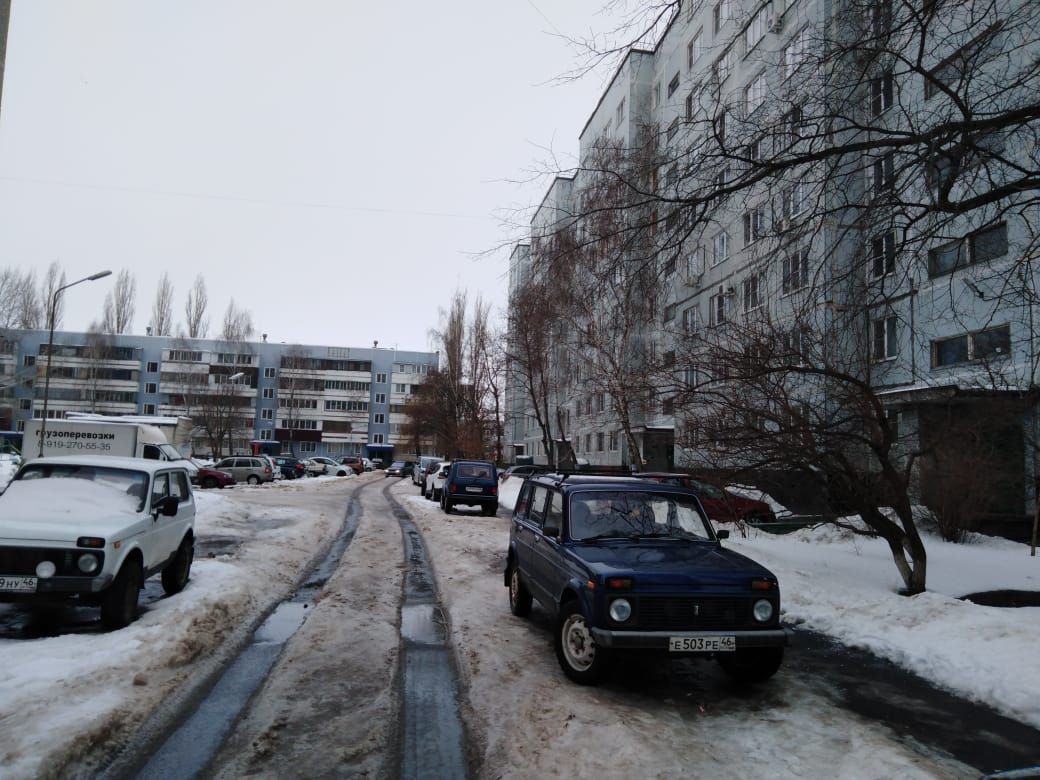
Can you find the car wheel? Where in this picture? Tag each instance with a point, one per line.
(253, 479)
(437, 494)
(581, 660)
(176, 575)
(490, 510)
(119, 603)
(447, 506)
(753, 664)
(209, 482)
(519, 595)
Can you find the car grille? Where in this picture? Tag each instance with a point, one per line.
(666, 613)
(23, 560)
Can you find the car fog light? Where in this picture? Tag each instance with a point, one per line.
(763, 610)
(620, 610)
(45, 569)
(87, 563)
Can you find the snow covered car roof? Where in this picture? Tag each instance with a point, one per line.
(107, 461)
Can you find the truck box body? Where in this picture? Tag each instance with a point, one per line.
(82, 437)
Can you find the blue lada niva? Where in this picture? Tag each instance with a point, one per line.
(629, 564)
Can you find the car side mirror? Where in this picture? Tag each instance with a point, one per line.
(722, 534)
(167, 506)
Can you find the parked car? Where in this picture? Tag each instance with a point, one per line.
(401, 468)
(625, 563)
(291, 468)
(322, 465)
(435, 480)
(276, 471)
(91, 529)
(521, 471)
(247, 468)
(377, 463)
(471, 483)
(419, 473)
(722, 506)
(214, 478)
(356, 464)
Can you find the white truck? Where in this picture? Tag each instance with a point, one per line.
(90, 437)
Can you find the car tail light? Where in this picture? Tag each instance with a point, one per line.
(451, 487)
(494, 490)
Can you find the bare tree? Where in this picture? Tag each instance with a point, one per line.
(195, 310)
(237, 324)
(52, 280)
(29, 310)
(162, 307)
(120, 304)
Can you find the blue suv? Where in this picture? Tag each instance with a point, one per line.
(629, 565)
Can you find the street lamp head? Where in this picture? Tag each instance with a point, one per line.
(99, 275)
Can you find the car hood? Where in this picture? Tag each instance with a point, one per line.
(42, 510)
(669, 563)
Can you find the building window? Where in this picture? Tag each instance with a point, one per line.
(754, 291)
(979, 247)
(673, 85)
(267, 414)
(621, 112)
(880, 175)
(267, 392)
(723, 66)
(28, 360)
(795, 270)
(756, 29)
(25, 404)
(754, 225)
(718, 308)
(402, 388)
(884, 338)
(599, 442)
(380, 398)
(153, 367)
(720, 248)
(795, 52)
(377, 438)
(755, 93)
(795, 199)
(689, 319)
(883, 254)
(266, 435)
(270, 372)
(379, 418)
(880, 94)
(952, 71)
(695, 48)
(655, 95)
(380, 379)
(983, 345)
(309, 447)
(151, 387)
(720, 14)
(669, 312)
(149, 409)
(689, 107)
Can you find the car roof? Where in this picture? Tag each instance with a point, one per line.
(573, 482)
(111, 461)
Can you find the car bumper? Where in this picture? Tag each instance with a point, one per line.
(60, 587)
(471, 498)
(658, 640)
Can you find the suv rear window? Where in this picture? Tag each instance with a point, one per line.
(474, 470)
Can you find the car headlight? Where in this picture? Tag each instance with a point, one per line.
(87, 563)
(620, 610)
(45, 569)
(762, 610)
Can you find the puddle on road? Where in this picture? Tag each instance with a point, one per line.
(281, 624)
(423, 624)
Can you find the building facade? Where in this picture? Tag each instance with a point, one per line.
(313, 400)
(777, 210)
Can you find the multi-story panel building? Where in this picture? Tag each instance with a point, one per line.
(776, 183)
(314, 400)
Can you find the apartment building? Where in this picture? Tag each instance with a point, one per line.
(313, 400)
(775, 213)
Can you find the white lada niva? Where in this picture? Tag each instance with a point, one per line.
(91, 529)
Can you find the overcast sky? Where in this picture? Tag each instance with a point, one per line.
(335, 166)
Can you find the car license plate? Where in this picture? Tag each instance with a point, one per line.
(17, 584)
(474, 490)
(702, 644)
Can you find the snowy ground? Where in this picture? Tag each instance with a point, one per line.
(62, 695)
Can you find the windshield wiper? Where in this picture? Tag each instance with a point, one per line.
(597, 537)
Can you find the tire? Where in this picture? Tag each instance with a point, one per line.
(581, 660)
(447, 505)
(519, 595)
(176, 575)
(437, 494)
(490, 510)
(209, 482)
(753, 664)
(119, 603)
(253, 479)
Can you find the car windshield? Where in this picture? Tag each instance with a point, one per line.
(111, 481)
(635, 514)
(397, 464)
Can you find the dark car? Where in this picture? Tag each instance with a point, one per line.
(400, 468)
(722, 506)
(291, 468)
(471, 483)
(628, 564)
(214, 478)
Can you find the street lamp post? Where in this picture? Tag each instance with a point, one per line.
(50, 344)
(233, 379)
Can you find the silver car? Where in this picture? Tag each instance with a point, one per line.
(249, 469)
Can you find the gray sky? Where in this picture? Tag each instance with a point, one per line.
(332, 165)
